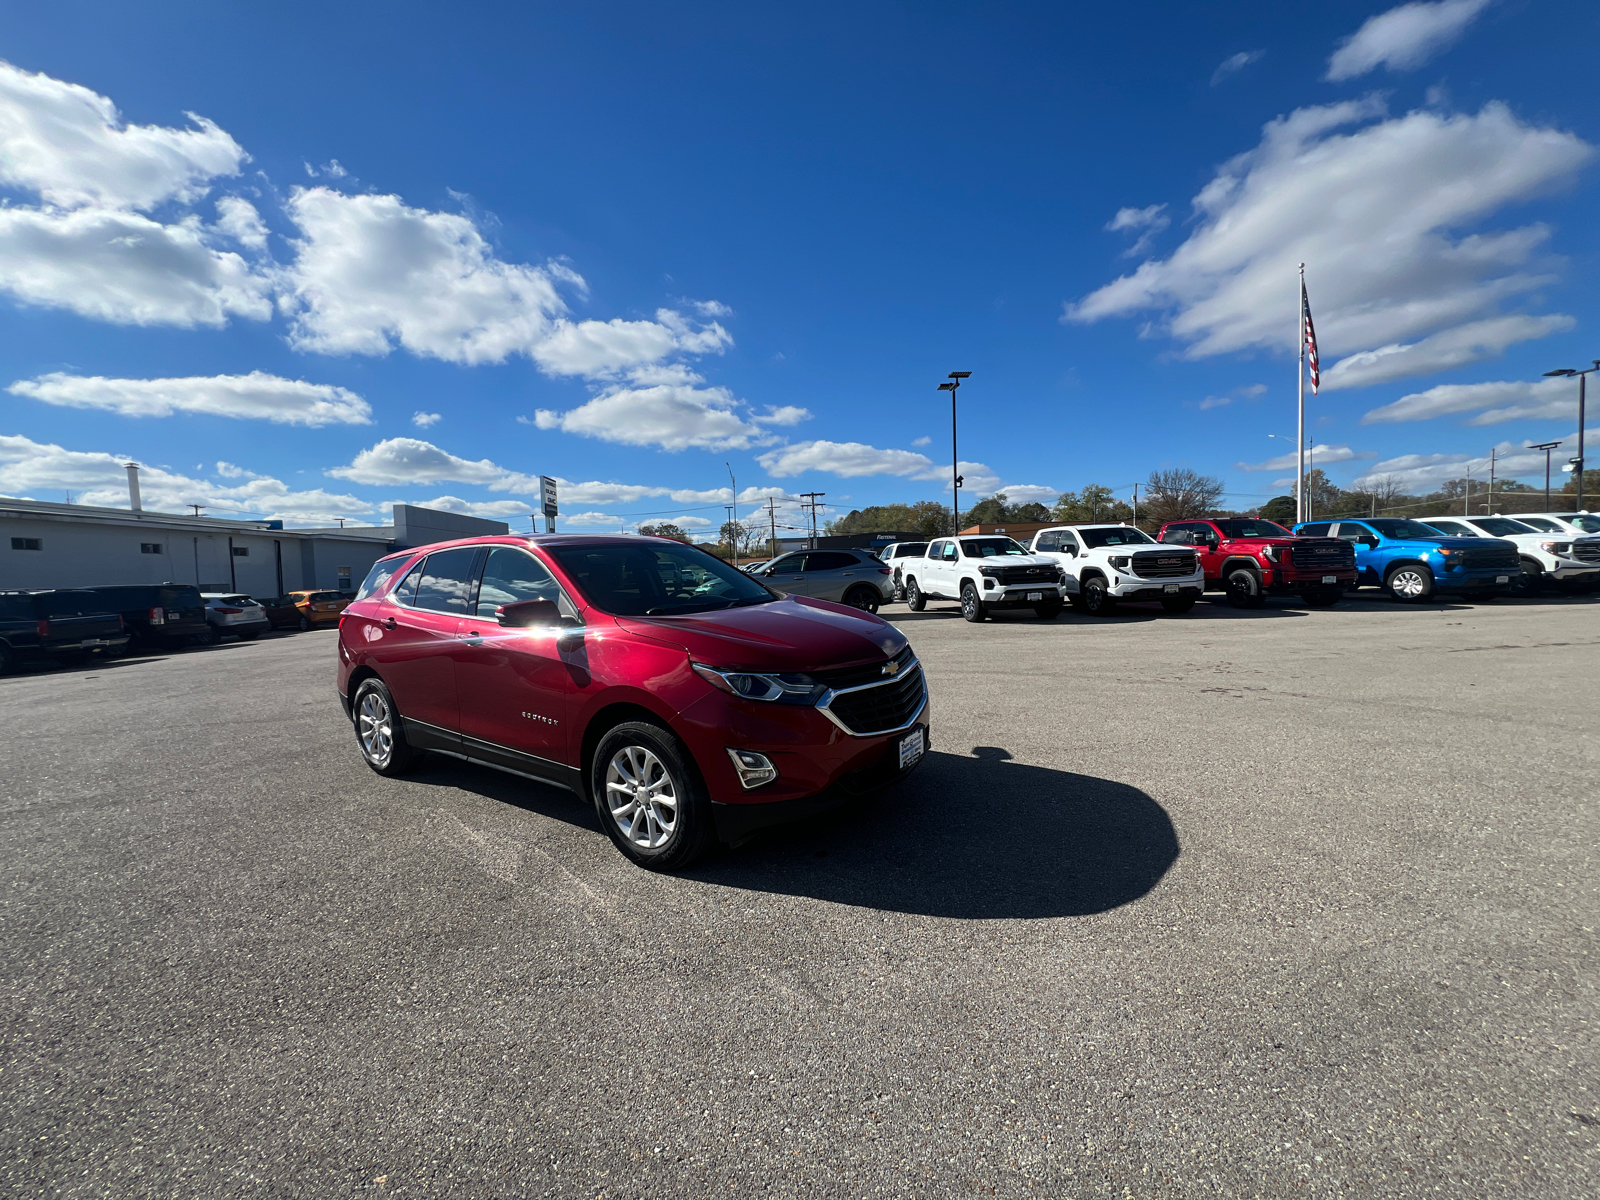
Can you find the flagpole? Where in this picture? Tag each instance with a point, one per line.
(1300, 432)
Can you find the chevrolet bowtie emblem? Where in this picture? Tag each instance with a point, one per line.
(891, 668)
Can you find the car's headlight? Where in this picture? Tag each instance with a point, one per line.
(789, 687)
(1556, 547)
(986, 570)
(1121, 562)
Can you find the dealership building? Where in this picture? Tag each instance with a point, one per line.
(75, 545)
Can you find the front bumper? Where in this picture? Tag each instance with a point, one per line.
(1131, 587)
(738, 822)
(1279, 580)
(1017, 597)
(1499, 580)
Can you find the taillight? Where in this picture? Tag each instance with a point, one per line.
(885, 570)
(42, 628)
(341, 620)
(121, 624)
(158, 616)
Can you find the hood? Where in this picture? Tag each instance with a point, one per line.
(1452, 543)
(796, 633)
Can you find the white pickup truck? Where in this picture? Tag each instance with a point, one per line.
(984, 572)
(1111, 563)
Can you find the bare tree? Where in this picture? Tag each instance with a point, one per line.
(1178, 494)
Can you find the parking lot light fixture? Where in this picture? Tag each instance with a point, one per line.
(1577, 463)
(1546, 447)
(955, 378)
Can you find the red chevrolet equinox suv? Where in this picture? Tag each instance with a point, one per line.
(686, 700)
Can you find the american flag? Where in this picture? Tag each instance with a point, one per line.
(1309, 337)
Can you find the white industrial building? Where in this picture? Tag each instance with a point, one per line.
(74, 545)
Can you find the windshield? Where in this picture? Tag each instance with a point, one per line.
(1502, 526)
(989, 547)
(1252, 529)
(1114, 535)
(656, 579)
(1540, 524)
(1395, 528)
(1585, 522)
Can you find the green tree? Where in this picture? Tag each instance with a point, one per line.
(1279, 508)
(926, 518)
(666, 529)
(1591, 487)
(1094, 503)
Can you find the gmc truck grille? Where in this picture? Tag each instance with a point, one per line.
(1010, 576)
(1502, 555)
(883, 708)
(849, 677)
(1587, 551)
(1332, 554)
(1163, 566)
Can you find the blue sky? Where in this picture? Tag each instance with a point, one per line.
(248, 247)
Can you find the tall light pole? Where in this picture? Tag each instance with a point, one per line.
(1577, 463)
(733, 534)
(1546, 447)
(955, 467)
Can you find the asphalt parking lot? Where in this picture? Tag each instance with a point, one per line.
(1231, 904)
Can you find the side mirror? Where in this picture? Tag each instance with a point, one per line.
(526, 614)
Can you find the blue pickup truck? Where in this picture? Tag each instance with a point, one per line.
(1411, 562)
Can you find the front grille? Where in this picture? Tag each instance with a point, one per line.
(1163, 566)
(847, 677)
(1012, 576)
(879, 709)
(1587, 550)
(1497, 554)
(1331, 554)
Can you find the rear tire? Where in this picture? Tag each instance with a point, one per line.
(1323, 598)
(1244, 588)
(1409, 583)
(971, 606)
(1177, 604)
(864, 598)
(1531, 582)
(915, 600)
(380, 733)
(1095, 598)
(305, 624)
(649, 796)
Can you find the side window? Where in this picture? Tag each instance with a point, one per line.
(1351, 532)
(788, 564)
(447, 579)
(935, 550)
(1176, 535)
(380, 574)
(950, 552)
(829, 560)
(405, 591)
(512, 576)
(1319, 530)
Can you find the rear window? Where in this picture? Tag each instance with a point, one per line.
(911, 549)
(16, 608)
(71, 604)
(319, 597)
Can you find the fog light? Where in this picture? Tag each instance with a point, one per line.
(753, 769)
(988, 582)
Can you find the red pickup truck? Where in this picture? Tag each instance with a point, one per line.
(1250, 559)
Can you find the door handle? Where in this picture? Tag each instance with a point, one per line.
(472, 638)
(849, 574)
(389, 623)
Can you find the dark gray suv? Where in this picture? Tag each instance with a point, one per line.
(854, 577)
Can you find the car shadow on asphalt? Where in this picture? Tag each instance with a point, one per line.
(975, 837)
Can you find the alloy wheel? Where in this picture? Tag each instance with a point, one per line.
(642, 797)
(1408, 584)
(375, 728)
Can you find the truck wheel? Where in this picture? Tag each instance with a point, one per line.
(649, 798)
(1323, 597)
(915, 600)
(1244, 588)
(1531, 582)
(864, 598)
(971, 606)
(8, 661)
(379, 732)
(1177, 604)
(1097, 598)
(1049, 611)
(1410, 583)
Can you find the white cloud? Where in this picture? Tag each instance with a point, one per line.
(238, 219)
(1211, 402)
(100, 479)
(70, 146)
(1150, 221)
(1420, 472)
(1029, 493)
(1316, 455)
(510, 511)
(787, 414)
(673, 416)
(921, 441)
(598, 349)
(849, 459)
(424, 419)
(125, 268)
(410, 460)
(1469, 343)
(1235, 63)
(1376, 213)
(1556, 398)
(254, 396)
(1403, 38)
(590, 520)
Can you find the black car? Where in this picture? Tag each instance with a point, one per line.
(159, 615)
(63, 625)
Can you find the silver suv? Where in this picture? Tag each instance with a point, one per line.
(853, 577)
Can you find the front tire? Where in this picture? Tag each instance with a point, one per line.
(1244, 588)
(1531, 582)
(864, 598)
(915, 600)
(305, 624)
(1410, 583)
(1177, 605)
(971, 606)
(649, 797)
(1095, 598)
(379, 731)
(1323, 597)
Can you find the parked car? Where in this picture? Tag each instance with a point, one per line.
(1107, 565)
(985, 573)
(317, 608)
(853, 577)
(159, 615)
(230, 612)
(66, 625)
(282, 613)
(1251, 558)
(1411, 562)
(894, 554)
(683, 714)
(1564, 562)
(1578, 524)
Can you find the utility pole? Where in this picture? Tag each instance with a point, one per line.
(734, 519)
(812, 498)
(197, 508)
(1546, 447)
(1136, 504)
(772, 528)
(1489, 508)
(954, 383)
